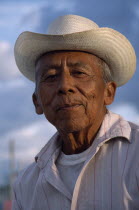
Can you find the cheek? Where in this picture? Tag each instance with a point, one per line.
(94, 90)
(46, 96)
(89, 94)
(94, 101)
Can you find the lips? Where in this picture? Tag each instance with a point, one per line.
(67, 107)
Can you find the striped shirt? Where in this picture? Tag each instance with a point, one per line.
(108, 180)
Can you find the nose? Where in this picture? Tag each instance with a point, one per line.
(66, 84)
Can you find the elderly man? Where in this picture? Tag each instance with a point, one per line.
(92, 162)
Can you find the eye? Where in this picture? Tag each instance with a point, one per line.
(78, 73)
(50, 78)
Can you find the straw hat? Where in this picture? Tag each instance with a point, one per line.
(72, 32)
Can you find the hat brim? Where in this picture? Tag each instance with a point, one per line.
(106, 43)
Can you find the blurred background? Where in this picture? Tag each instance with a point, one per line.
(22, 132)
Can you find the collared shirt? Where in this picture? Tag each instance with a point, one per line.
(109, 179)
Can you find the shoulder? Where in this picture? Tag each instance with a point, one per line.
(122, 127)
(133, 126)
(26, 176)
(134, 132)
(29, 176)
(25, 186)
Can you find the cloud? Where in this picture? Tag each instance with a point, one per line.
(8, 68)
(27, 142)
(135, 8)
(27, 15)
(16, 104)
(69, 5)
(6, 85)
(38, 19)
(128, 111)
(14, 9)
(28, 139)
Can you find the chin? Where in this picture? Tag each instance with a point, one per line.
(71, 126)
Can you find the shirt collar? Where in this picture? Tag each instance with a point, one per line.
(48, 150)
(114, 126)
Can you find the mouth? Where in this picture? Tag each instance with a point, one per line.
(68, 107)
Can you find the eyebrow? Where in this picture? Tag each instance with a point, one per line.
(69, 64)
(53, 66)
(79, 64)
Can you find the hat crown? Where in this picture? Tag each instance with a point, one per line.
(68, 24)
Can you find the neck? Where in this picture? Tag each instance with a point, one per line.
(78, 141)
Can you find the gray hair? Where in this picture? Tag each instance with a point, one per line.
(106, 73)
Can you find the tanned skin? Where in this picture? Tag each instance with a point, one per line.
(71, 93)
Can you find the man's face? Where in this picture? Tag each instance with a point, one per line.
(70, 89)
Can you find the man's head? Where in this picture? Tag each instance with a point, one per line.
(72, 89)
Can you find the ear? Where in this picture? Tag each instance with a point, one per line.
(37, 104)
(109, 93)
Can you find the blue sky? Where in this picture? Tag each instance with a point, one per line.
(18, 120)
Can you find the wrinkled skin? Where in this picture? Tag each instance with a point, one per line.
(72, 94)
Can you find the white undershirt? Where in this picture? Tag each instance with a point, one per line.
(69, 167)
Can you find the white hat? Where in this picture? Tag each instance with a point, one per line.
(72, 32)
